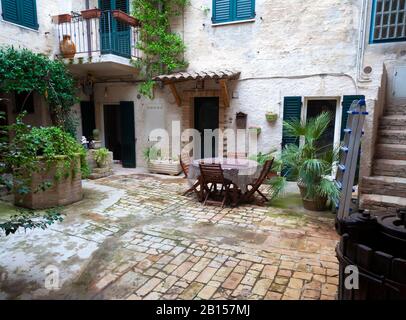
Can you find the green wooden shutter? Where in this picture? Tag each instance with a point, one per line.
(29, 13)
(10, 10)
(22, 12)
(233, 10)
(127, 128)
(245, 9)
(222, 11)
(347, 101)
(292, 109)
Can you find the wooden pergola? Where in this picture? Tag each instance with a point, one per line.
(222, 76)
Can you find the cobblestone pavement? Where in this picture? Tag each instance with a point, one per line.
(136, 237)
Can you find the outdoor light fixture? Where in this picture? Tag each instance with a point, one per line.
(106, 93)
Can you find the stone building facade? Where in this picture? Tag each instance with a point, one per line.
(321, 53)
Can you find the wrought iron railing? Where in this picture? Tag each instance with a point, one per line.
(103, 34)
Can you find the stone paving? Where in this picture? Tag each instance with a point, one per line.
(135, 237)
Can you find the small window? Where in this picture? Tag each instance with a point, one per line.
(233, 10)
(22, 12)
(388, 21)
(24, 102)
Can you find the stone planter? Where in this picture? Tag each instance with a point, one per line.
(63, 191)
(96, 172)
(172, 168)
(317, 204)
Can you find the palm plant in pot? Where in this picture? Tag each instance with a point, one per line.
(310, 164)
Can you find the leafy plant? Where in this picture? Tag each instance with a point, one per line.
(100, 156)
(28, 219)
(162, 49)
(309, 164)
(31, 147)
(24, 71)
(151, 153)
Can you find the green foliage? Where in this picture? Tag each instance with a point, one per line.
(25, 71)
(151, 153)
(100, 156)
(31, 147)
(162, 49)
(28, 219)
(310, 164)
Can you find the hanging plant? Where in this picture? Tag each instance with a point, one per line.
(162, 49)
(25, 71)
(271, 117)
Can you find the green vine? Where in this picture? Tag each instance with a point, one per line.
(24, 71)
(162, 50)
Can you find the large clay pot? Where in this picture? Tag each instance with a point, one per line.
(316, 204)
(67, 47)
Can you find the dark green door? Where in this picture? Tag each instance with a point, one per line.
(88, 118)
(127, 131)
(207, 117)
(115, 35)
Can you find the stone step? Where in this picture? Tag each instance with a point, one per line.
(391, 151)
(395, 110)
(384, 185)
(388, 167)
(392, 136)
(381, 204)
(393, 122)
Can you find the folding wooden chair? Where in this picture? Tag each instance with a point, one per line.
(185, 163)
(248, 196)
(212, 175)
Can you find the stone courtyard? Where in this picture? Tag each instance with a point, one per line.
(134, 236)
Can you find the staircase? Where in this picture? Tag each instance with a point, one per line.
(385, 190)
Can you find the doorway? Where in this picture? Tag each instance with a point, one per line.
(115, 35)
(206, 116)
(87, 112)
(314, 108)
(119, 132)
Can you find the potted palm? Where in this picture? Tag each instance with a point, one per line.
(309, 164)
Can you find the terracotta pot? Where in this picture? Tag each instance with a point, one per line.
(272, 174)
(67, 47)
(316, 204)
(124, 17)
(91, 13)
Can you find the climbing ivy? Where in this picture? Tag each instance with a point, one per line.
(162, 49)
(24, 71)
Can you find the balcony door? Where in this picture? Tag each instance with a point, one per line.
(115, 35)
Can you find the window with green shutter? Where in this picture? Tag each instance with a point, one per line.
(233, 10)
(22, 12)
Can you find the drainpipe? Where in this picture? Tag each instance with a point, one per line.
(89, 36)
(361, 77)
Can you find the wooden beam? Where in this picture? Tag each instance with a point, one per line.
(175, 94)
(224, 92)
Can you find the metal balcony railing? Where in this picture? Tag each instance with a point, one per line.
(106, 33)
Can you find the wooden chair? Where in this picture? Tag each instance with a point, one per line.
(212, 176)
(255, 186)
(185, 161)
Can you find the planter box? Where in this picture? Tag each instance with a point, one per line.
(257, 130)
(91, 13)
(172, 168)
(124, 17)
(62, 192)
(62, 18)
